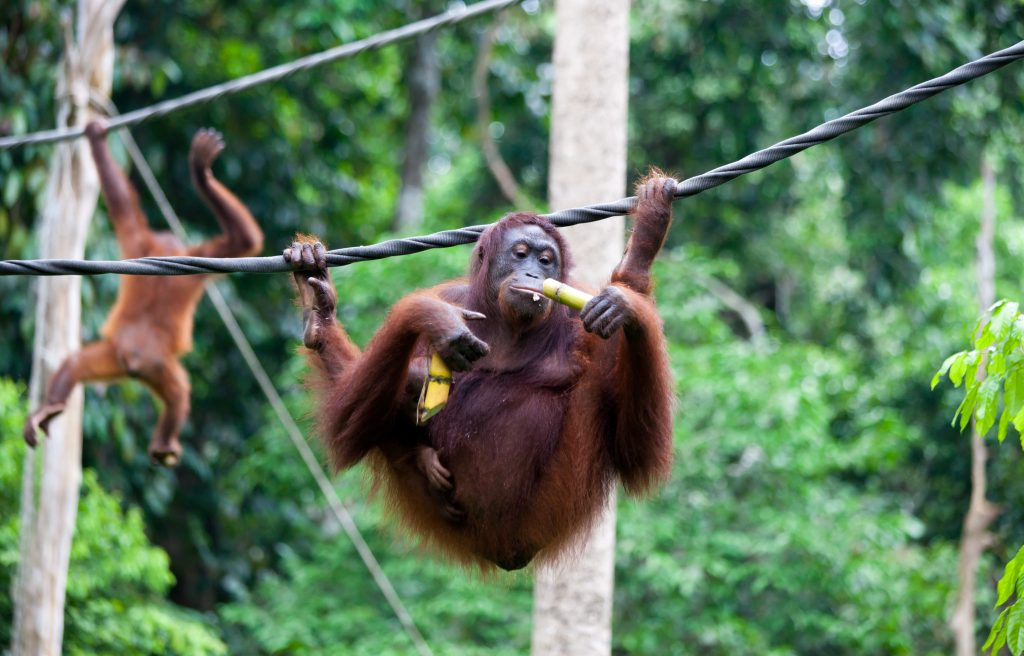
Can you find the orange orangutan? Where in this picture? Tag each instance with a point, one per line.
(548, 408)
(150, 325)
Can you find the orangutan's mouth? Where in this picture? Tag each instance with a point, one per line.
(537, 294)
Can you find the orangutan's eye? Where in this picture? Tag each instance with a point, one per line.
(520, 253)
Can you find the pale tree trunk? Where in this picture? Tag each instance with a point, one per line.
(573, 601)
(424, 80)
(48, 519)
(975, 537)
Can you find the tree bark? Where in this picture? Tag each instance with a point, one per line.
(975, 537)
(424, 80)
(573, 602)
(72, 188)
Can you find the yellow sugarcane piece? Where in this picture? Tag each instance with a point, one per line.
(434, 394)
(566, 295)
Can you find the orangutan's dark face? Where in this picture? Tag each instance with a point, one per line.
(527, 255)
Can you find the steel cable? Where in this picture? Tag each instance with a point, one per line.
(455, 15)
(170, 266)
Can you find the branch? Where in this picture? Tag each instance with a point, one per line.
(747, 311)
(499, 169)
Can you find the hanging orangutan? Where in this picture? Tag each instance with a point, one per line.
(150, 326)
(548, 408)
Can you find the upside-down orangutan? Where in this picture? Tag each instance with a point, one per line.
(150, 326)
(547, 410)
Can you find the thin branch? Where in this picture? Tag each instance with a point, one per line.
(495, 162)
(744, 309)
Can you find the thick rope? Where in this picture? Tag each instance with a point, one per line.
(334, 502)
(172, 266)
(456, 14)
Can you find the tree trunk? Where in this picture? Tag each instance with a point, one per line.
(975, 537)
(424, 79)
(573, 602)
(72, 187)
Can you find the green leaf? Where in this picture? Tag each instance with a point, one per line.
(979, 328)
(966, 408)
(1008, 581)
(988, 400)
(998, 629)
(1015, 628)
(1018, 422)
(974, 362)
(1002, 320)
(1004, 424)
(945, 368)
(1000, 639)
(958, 368)
(1013, 340)
(996, 364)
(1011, 390)
(994, 308)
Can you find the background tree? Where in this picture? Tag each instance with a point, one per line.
(423, 80)
(572, 603)
(48, 511)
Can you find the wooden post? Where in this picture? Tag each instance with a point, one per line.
(72, 188)
(573, 602)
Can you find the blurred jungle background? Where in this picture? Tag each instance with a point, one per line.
(819, 489)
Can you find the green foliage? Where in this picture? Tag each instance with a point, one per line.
(1009, 627)
(995, 365)
(994, 368)
(325, 603)
(117, 580)
(782, 552)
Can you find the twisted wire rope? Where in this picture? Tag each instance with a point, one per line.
(456, 14)
(171, 266)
